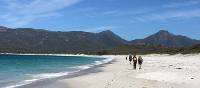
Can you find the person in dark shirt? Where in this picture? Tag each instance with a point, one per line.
(134, 62)
(130, 58)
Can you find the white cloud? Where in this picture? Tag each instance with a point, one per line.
(177, 10)
(176, 14)
(101, 28)
(20, 13)
(45, 6)
(182, 4)
(111, 12)
(107, 13)
(15, 21)
(143, 14)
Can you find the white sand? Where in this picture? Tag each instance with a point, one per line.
(159, 71)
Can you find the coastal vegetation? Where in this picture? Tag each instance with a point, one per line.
(149, 49)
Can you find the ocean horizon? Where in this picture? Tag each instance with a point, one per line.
(22, 69)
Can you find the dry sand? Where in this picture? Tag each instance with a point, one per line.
(159, 71)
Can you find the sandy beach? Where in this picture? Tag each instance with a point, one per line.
(159, 71)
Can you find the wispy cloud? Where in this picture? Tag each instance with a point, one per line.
(182, 4)
(105, 13)
(94, 29)
(101, 28)
(20, 13)
(172, 9)
(178, 10)
(110, 12)
(184, 14)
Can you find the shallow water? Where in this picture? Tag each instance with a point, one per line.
(18, 70)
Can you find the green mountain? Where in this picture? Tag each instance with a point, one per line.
(164, 38)
(28, 40)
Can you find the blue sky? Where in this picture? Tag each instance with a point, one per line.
(131, 19)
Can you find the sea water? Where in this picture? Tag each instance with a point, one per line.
(19, 70)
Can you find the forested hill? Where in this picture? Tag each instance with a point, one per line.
(28, 40)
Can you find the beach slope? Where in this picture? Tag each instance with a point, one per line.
(159, 71)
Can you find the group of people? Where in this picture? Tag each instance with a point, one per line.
(135, 60)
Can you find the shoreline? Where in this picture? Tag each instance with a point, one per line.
(49, 54)
(159, 71)
(52, 82)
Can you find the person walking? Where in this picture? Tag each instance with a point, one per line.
(130, 58)
(140, 60)
(134, 62)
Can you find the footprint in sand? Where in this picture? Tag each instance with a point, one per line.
(108, 84)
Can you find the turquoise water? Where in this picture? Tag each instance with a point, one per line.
(18, 70)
